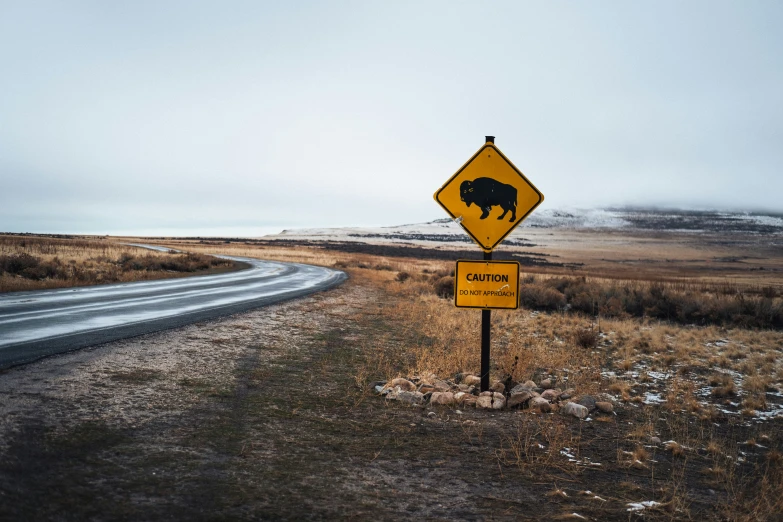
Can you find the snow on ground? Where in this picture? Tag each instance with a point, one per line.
(447, 231)
(576, 218)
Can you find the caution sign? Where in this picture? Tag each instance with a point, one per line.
(486, 284)
(488, 197)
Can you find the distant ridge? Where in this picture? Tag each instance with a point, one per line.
(446, 230)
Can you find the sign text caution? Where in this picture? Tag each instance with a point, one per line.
(486, 284)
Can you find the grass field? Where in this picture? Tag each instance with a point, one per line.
(690, 361)
(690, 354)
(40, 262)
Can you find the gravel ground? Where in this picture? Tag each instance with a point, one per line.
(259, 416)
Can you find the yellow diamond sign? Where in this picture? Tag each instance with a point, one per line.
(488, 197)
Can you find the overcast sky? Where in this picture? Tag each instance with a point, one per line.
(246, 117)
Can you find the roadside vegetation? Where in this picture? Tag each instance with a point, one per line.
(693, 374)
(35, 262)
(682, 302)
(698, 409)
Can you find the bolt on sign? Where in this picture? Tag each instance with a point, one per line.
(488, 197)
(486, 284)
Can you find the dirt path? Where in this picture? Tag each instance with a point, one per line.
(259, 416)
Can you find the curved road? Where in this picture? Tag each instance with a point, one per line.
(41, 323)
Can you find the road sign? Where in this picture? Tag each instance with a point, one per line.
(488, 197)
(486, 284)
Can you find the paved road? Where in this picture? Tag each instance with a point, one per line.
(41, 323)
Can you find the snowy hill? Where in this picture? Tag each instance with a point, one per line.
(447, 231)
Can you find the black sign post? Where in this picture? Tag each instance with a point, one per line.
(486, 326)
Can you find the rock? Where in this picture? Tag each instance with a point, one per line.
(577, 410)
(426, 388)
(463, 387)
(567, 394)
(530, 384)
(605, 407)
(655, 440)
(519, 388)
(432, 414)
(540, 404)
(458, 378)
(587, 401)
(441, 386)
(469, 400)
(374, 385)
(414, 397)
(444, 398)
(471, 380)
(404, 384)
(498, 387)
(546, 384)
(551, 395)
(519, 399)
(492, 400)
(381, 390)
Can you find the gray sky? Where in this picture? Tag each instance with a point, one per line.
(245, 117)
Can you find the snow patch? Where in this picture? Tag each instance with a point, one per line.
(640, 506)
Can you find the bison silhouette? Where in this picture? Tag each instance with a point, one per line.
(486, 193)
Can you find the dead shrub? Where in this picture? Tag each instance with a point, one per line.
(586, 338)
(755, 402)
(444, 287)
(541, 297)
(688, 305)
(677, 449)
(640, 454)
(726, 390)
(756, 383)
(719, 379)
(18, 263)
(402, 277)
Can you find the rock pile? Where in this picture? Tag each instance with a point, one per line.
(463, 390)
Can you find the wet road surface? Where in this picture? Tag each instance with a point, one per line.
(41, 323)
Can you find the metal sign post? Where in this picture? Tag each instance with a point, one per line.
(486, 329)
(488, 184)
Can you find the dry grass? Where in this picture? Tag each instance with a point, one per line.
(35, 262)
(313, 256)
(688, 303)
(537, 443)
(529, 345)
(565, 346)
(698, 372)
